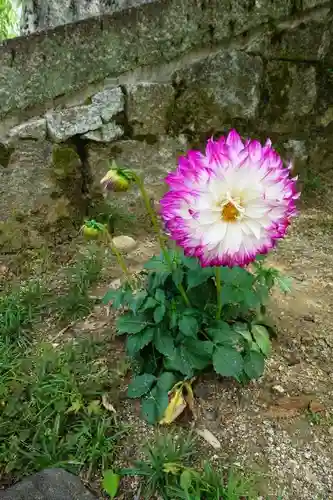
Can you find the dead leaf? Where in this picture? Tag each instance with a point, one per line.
(294, 403)
(176, 406)
(209, 437)
(107, 405)
(277, 412)
(316, 407)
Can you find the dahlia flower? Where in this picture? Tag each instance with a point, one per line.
(230, 204)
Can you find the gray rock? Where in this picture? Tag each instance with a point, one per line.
(32, 129)
(109, 102)
(148, 104)
(215, 89)
(303, 91)
(50, 484)
(124, 243)
(309, 4)
(66, 123)
(107, 133)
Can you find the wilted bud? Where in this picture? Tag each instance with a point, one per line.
(117, 179)
(92, 229)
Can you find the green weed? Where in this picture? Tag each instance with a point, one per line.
(167, 472)
(19, 308)
(51, 411)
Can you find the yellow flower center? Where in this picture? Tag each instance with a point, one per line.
(230, 212)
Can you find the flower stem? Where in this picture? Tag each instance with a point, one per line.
(218, 293)
(119, 257)
(157, 230)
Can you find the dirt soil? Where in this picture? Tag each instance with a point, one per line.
(280, 427)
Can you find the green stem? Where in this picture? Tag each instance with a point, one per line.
(218, 293)
(120, 258)
(157, 230)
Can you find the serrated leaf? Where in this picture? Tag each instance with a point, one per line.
(284, 283)
(254, 364)
(140, 385)
(188, 325)
(159, 313)
(110, 483)
(198, 276)
(243, 330)
(221, 333)
(227, 362)
(129, 323)
(154, 405)
(177, 276)
(156, 263)
(114, 296)
(135, 343)
(137, 300)
(177, 363)
(150, 303)
(251, 298)
(166, 381)
(164, 342)
(191, 263)
(198, 353)
(262, 339)
(158, 279)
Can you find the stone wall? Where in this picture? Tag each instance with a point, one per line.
(142, 85)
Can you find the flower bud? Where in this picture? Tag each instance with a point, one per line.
(92, 229)
(115, 180)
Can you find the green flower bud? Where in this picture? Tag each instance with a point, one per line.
(92, 229)
(116, 180)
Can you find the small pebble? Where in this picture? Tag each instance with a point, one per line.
(278, 389)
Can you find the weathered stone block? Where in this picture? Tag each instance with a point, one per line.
(40, 191)
(66, 123)
(289, 96)
(109, 102)
(147, 107)
(307, 41)
(214, 89)
(107, 133)
(50, 484)
(309, 4)
(32, 129)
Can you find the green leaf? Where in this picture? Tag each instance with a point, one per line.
(110, 483)
(138, 300)
(221, 333)
(166, 381)
(197, 353)
(262, 339)
(177, 276)
(237, 276)
(164, 342)
(243, 330)
(178, 363)
(198, 276)
(140, 385)
(185, 480)
(154, 405)
(159, 313)
(284, 283)
(254, 364)
(158, 279)
(188, 325)
(136, 342)
(129, 323)
(160, 295)
(157, 263)
(227, 362)
(251, 298)
(150, 303)
(114, 296)
(191, 263)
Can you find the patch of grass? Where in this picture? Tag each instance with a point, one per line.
(19, 308)
(167, 473)
(76, 302)
(51, 411)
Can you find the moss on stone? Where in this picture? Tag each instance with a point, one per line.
(65, 162)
